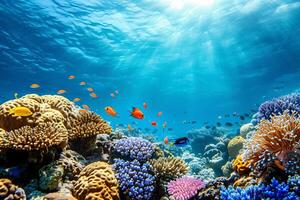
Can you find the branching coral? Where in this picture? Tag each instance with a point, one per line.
(169, 168)
(98, 182)
(278, 136)
(184, 188)
(9, 191)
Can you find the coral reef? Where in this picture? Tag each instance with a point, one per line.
(96, 181)
(9, 191)
(235, 145)
(134, 148)
(227, 169)
(247, 130)
(50, 177)
(184, 188)
(240, 166)
(136, 179)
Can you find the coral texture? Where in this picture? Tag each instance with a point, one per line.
(134, 148)
(235, 145)
(240, 166)
(136, 179)
(98, 182)
(9, 191)
(184, 188)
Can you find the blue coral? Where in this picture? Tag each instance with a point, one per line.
(278, 105)
(276, 190)
(134, 148)
(136, 179)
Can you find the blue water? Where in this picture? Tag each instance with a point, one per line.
(190, 59)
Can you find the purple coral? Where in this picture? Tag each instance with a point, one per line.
(184, 188)
(134, 148)
(278, 105)
(136, 179)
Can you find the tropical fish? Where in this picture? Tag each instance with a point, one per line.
(112, 94)
(83, 111)
(164, 125)
(76, 99)
(20, 111)
(93, 95)
(159, 114)
(181, 141)
(61, 91)
(90, 89)
(166, 140)
(242, 117)
(110, 111)
(145, 105)
(82, 83)
(153, 123)
(71, 77)
(117, 91)
(137, 113)
(86, 107)
(229, 124)
(34, 85)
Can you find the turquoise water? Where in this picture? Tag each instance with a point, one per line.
(192, 60)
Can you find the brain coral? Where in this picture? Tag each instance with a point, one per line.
(9, 191)
(235, 145)
(169, 168)
(278, 136)
(134, 148)
(98, 182)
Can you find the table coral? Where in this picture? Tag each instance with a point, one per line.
(10, 191)
(98, 182)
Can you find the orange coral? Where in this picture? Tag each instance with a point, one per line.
(240, 166)
(279, 136)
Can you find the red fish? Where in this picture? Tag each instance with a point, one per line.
(110, 111)
(159, 114)
(153, 123)
(166, 140)
(137, 113)
(145, 105)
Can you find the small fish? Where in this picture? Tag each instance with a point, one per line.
(153, 123)
(76, 99)
(207, 126)
(93, 95)
(90, 89)
(247, 115)
(16, 95)
(145, 105)
(20, 111)
(166, 140)
(117, 91)
(242, 117)
(229, 124)
(34, 85)
(110, 111)
(82, 83)
(71, 77)
(86, 107)
(112, 94)
(159, 114)
(181, 141)
(218, 124)
(129, 127)
(164, 125)
(193, 122)
(137, 113)
(61, 91)
(170, 129)
(83, 111)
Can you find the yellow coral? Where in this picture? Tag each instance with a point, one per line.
(235, 145)
(97, 182)
(169, 168)
(10, 191)
(240, 166)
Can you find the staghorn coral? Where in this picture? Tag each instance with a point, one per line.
(240, 166)
(278, 136)
(235, 145)
(184, 188)
(170, 168)
(9, 191)
(96, 181)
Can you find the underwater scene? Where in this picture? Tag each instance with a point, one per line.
(149, 100)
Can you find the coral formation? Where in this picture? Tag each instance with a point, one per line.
(247, 130)
(235, 145)
(50, 177)
(134, 148)
(184, 188)
(136, 179)
(9, 191)
(240, 166)
(212, 189)
(96, 181)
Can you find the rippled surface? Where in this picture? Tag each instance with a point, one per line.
(202, 59)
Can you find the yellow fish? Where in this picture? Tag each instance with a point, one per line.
(20, 111)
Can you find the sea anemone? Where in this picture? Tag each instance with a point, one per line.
(184, 188)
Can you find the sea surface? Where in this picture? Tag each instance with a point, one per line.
(192, 60)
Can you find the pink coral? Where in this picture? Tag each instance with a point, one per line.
(184, 188)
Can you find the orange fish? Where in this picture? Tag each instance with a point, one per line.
(76, 99)
(159, 114)
(112, 94)
(110, 111)
(93, 95)
(137, 113)
(153, 123)
(166, 140)
(129, 127)
(90, 89)
(82, 83)
(34, 85)
(145, 105)
(83, 111)
(71, 77)
(61, 91)
(86, 107)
